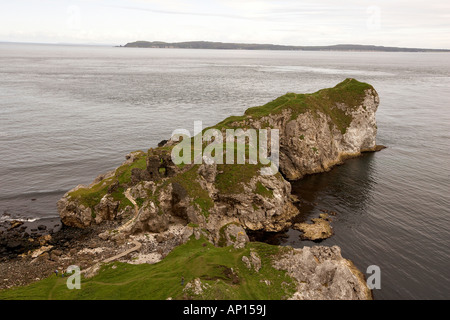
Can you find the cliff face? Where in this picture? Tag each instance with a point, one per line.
(318, 130)
(220, 202)
(309, 143)
(321, 273)
(148, 191)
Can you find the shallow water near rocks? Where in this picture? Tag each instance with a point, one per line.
(368, 230)
(69, 113)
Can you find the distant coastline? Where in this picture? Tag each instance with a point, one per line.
(246, 46)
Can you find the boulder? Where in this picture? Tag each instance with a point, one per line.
(321, 273)
(195, 287)
(36, 253)
(234, 235)
(73, 213)
(57, 252)
(118, 238)
(15, 224)
(252, 262)
(105, 235)
(107, 209)
(43, 240)
(162, 143)
(319, 229)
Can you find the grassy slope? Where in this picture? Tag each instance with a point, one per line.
(90, 197)
(195, 259)
(350, 92)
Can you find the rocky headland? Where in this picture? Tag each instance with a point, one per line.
(162, 205)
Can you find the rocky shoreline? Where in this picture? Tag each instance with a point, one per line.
(25, 258)
(143, 209)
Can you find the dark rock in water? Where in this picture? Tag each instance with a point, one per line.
(15, 224)
(319, 229)
(380, 147)
(162, 143)
(42, 227)
(33, 199)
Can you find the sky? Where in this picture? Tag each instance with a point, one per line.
(400, 23)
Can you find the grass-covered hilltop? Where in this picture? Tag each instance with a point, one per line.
(193, 217)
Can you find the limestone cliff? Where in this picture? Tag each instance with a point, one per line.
(220, 202)
(318, 130)
(148, 191)
(321, 273)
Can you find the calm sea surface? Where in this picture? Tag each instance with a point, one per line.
(68, 113)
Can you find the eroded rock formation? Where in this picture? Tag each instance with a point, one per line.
(321, 273)
(221, 201)
(316, 132)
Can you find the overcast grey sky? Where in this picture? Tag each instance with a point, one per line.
(402, 23)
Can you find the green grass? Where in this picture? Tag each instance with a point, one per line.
(139, 202)
(262, 190)
(90, 197)
(195, 259)
(123, 173)
(232, 177)
(227, 123)
(350, 92)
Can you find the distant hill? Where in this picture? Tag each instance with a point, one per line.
(245, 46)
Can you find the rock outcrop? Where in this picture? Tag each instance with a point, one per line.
(197, 196)
(253, 261)
(316, 131)
(319, 229)
(322, 274)
(218, 202)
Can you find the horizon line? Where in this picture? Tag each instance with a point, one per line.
(207, 41)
